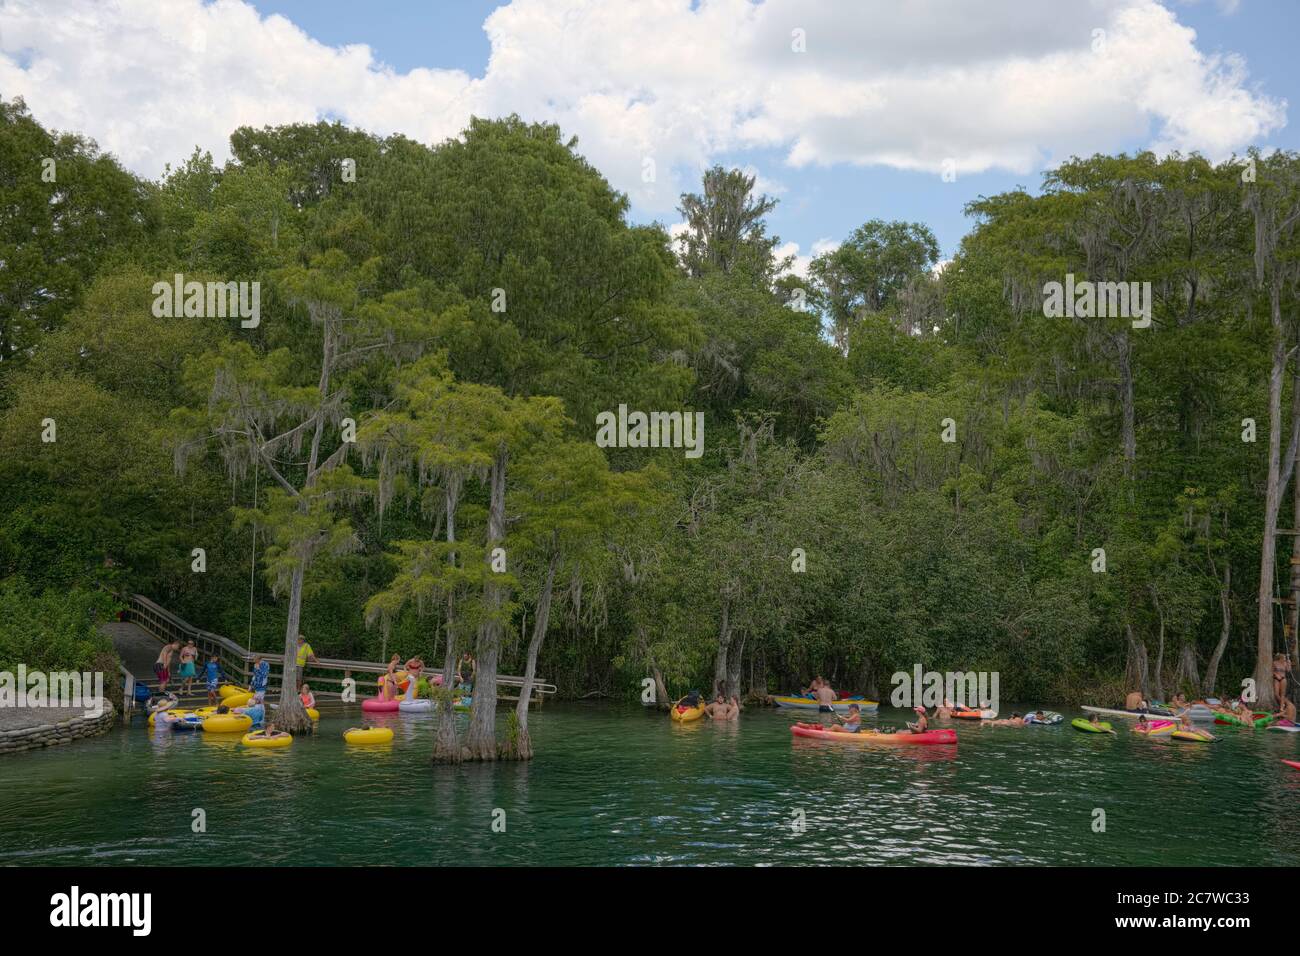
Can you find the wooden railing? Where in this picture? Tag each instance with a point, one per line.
(237, 661)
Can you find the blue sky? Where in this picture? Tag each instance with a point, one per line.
(820, 203)
(853, 127)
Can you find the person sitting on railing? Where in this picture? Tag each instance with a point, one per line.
(261, 675)
(189, 658)
(414, 668)
(212, 673)
(305, 654)
(388, 685)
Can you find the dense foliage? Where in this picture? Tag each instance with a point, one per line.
(903, 463)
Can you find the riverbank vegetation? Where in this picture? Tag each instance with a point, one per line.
(904, 461)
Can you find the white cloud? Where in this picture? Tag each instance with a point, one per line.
(799, 266)
(1007, 84)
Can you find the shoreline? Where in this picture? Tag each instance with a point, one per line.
(61, 725)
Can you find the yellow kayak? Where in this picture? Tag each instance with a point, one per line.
(684, 714)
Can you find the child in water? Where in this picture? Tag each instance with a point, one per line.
(307, 697)
(271, 732)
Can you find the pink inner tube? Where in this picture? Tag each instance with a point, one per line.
(379, 705)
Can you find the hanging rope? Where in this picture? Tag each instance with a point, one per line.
(252, 564)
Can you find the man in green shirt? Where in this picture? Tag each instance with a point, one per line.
(305, 654)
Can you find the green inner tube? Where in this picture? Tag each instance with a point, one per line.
(1088, 727)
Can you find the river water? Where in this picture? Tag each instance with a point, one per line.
(616, 785)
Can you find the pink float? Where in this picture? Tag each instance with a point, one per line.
(376, 705)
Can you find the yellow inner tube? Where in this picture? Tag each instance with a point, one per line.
(258, 740)
(227, 723)
(225, 690)
(369, 735)
(236, 700)
(313, 713)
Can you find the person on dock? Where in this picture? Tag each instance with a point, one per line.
(261, 677)
(189, 660)
(162, 666)
(466, 672)
(305, 655)
(212, 674)
(850, 724)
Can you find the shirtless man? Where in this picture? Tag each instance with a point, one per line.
(718, 708)
(162, 666)
(825, 697)
(944, 710)
(1135, 701)
(1015, 720)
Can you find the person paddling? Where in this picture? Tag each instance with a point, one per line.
(850, 724)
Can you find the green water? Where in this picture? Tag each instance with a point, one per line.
(615, 785)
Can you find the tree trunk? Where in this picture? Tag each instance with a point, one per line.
(481, 740)
(1139, 667)
(1186, 674)
(662, 700)
(1292, 640)
(1225, 607)
(446, 748)
(292, 716)
(522, 748)
(1160, 651)
(724, 644)
(735, 657)
(1128, 416)
(1272, 500)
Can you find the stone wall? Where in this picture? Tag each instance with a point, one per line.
(51, 735)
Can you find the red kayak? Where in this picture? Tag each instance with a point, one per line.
(818, 732)
(1292, 763)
